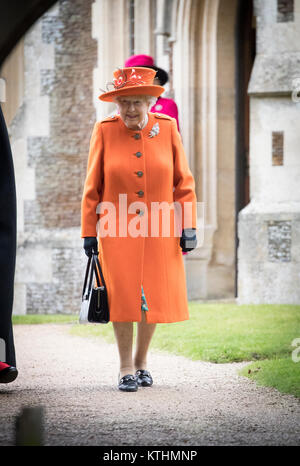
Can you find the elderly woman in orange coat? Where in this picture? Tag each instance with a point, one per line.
(141, 222)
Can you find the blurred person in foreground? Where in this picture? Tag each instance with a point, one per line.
(8, 371)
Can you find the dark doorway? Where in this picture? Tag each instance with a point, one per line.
(245, 49)
(15, 20)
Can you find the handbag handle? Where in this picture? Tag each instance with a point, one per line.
(95, 264)
(86, 275)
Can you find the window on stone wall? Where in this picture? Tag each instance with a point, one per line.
(285, 11)
(277, 148)
(131, 27)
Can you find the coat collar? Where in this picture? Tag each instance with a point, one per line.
(145, 131)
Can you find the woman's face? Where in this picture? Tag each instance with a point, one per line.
(133, 110)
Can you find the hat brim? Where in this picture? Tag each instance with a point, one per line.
(152, 90)
(161, 74)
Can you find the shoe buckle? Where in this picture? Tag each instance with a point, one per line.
(127, 377)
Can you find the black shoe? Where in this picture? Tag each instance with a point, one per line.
(9, 374)
(143, 378)
(128, 383)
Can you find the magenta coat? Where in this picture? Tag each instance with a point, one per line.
(167, 107)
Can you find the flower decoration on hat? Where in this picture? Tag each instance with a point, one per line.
(121, 81)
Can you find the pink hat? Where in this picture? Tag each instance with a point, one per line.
(139, 60)
(147, 61)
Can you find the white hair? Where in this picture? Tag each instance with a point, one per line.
(150, 99)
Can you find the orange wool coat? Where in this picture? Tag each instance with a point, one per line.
(144, 170)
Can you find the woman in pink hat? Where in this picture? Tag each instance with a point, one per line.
(162, 105)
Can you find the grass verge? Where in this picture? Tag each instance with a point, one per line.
(44, 319)
(221, 332)
(283, 374)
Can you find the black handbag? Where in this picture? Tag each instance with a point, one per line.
(94, 303)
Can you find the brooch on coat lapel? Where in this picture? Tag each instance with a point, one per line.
(154, 131)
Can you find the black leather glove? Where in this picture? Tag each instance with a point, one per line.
(188, 240)
(90, 245)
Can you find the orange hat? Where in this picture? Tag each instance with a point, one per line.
(132, 81)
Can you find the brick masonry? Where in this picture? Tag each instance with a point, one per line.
(63, 294)
(279, 241)
(50, 258)
(60, 160)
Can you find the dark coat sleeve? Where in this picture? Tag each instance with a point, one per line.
(8, 226)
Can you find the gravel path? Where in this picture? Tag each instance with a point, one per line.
(190, 403)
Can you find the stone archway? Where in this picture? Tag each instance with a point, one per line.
(203, 38)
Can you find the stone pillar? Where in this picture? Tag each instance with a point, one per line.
(144, 22)
(194, 32)
(111, 30)
(269, 226)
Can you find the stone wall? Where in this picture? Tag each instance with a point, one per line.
(50, 140)
(269, 240)
(59, 160)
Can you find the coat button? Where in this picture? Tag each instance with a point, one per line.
(139, 173)
(139, 211)
(140, 193)
(138, 154)
(137, 136)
